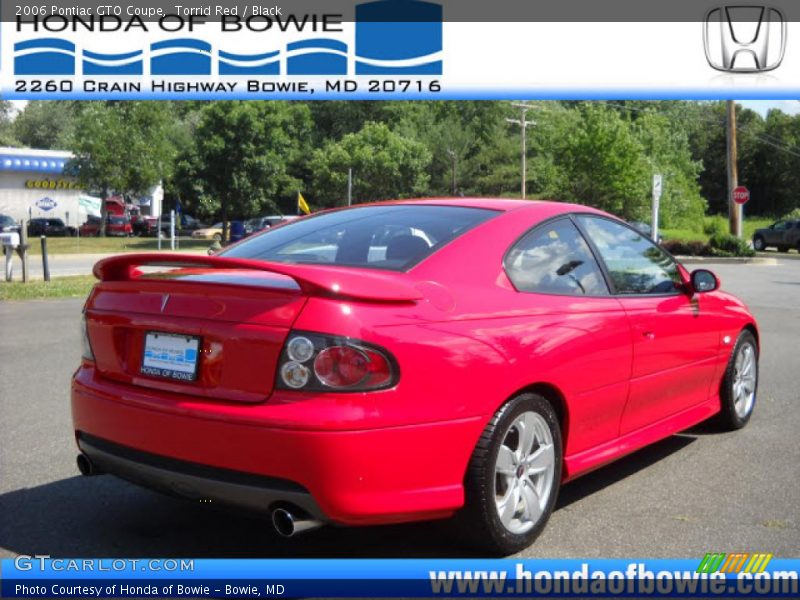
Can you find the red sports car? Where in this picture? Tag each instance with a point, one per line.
(405, 361)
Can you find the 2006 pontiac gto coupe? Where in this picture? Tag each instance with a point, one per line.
(405, 361)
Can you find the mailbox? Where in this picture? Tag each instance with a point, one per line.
(10, 242)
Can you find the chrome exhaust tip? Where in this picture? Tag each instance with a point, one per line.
(85, 465)
(288, 524)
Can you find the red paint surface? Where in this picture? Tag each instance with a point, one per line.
(626, 371)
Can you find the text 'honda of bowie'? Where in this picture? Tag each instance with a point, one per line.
(405, 361)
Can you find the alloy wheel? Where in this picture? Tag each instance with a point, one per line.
(745, 374)
(524, 472)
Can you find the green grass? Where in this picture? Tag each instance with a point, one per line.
(60, 287)
(111, 245)
(688, 235)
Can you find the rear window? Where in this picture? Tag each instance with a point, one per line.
(382, 237)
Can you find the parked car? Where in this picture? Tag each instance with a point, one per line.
(8, 225)
(209, 233)
(184, 224)
(486, 353)
(49, 227)
(781, 235)
(252, 226)
(144, 225)
(116, 226)
(645, 229)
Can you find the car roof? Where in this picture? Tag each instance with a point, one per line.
(551, 207)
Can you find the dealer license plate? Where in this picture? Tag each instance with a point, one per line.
(170, 356)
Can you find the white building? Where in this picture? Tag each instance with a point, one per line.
(33, 184)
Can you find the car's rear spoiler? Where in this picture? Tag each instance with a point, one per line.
(314, 280)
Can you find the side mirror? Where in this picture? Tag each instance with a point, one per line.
(704, 281)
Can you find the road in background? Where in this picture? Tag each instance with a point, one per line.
(693, 493)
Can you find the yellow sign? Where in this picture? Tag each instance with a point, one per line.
(52, 184)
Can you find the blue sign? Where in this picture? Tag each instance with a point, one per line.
(46, 204)
(393, 37)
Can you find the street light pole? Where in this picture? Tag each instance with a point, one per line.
(523, 124)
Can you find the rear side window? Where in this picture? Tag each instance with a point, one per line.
(636, 265)
(382, 237)
(555, 259)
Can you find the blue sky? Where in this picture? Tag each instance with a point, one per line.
(791, 107)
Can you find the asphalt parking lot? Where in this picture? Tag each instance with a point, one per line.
(696, 492)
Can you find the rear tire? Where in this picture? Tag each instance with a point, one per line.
(740, 383)
(783, 248)
(513, 477)
(758, 243)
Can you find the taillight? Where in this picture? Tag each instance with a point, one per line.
(316, 362)
(86, 346)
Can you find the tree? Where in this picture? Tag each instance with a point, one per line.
(122, 147)
(7, 137)
(385, 165)
(597, 160)
(48, 125)
(245, 153)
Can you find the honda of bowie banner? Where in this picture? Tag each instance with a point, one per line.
(27, 576)
(389, 49)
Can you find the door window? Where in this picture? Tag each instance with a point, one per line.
(555, 259)
(634, 263)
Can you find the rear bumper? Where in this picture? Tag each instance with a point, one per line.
(372, 476)
(195, 482)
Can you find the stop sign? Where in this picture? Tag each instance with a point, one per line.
(741, 195)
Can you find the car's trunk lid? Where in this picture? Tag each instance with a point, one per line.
(210, 326)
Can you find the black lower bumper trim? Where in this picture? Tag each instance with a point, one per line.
(196, 481)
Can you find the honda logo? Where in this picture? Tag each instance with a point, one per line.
(744, 39)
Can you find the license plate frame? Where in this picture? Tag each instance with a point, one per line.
(168, 356)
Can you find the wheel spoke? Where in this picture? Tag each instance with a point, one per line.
(508, 507)
(527, 435)
(505, 461)
(531, 501)
(541, 460)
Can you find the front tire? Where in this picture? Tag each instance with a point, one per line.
(739, 386)
(514, 476)
(758, 243)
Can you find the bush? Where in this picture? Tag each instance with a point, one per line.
(725, 244)
(795, 214)
(690, 248)
(714, 225)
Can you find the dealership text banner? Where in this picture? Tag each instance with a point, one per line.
(717, 575)
(401, 49)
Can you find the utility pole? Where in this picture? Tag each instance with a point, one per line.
(523, 124)
(350, 187)
(734, 209)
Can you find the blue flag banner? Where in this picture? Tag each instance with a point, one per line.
(715, 575)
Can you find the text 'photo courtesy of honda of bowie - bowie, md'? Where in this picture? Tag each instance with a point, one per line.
(356, 281)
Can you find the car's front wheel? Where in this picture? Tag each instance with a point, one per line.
(739, 386)
(758, 243)
(514, 476)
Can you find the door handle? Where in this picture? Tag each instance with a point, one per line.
(649, 335)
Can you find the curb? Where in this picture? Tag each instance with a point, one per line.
(720, 260)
